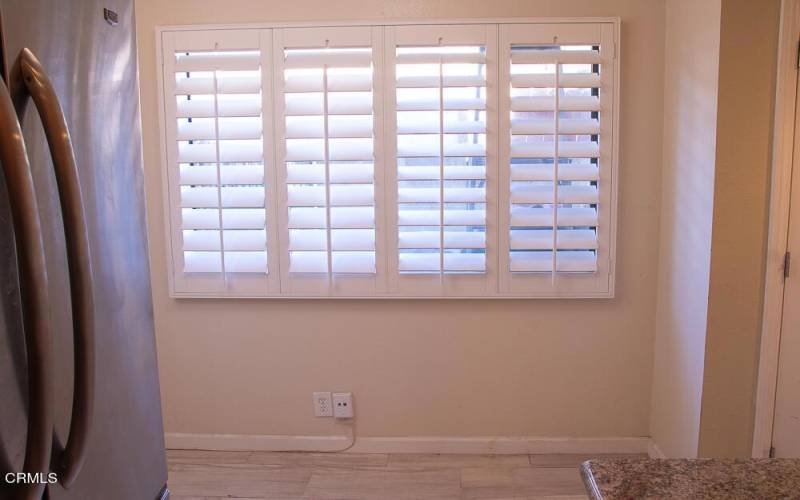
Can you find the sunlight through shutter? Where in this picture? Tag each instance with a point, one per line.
(221, 161)
(441, 158)
(555, 127)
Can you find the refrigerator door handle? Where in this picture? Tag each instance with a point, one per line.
(30, 79)
(34, 295)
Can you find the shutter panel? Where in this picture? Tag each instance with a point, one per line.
(326, 89)
(557, 104)
(214, 94)
(441, 159)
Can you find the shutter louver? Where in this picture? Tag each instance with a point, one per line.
(554, 112)
(221, 160)
(329, 158)
(441, 158)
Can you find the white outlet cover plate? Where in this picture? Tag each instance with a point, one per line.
(343, 404)
(323, 404)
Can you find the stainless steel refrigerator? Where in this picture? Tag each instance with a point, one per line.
(79, 392)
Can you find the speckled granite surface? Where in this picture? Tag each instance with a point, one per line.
(692, 479)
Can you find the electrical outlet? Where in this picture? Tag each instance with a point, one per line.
(323, 405)
(343, 404)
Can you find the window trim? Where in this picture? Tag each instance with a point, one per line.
(603, 288)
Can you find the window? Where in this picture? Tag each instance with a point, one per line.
(457, 160)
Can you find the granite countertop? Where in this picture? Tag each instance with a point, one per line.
(692, 478)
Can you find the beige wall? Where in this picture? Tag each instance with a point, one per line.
(718, 110)
(747, 68)
(447, 368)
(690, 124)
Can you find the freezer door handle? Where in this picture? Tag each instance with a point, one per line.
(34, 294)
(30, 79)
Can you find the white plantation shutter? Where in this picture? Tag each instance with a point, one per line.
(326, 95)
(458, 160)
(441, 160)
(215, 93)
(557, 103)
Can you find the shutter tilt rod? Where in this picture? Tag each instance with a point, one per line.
(556, 126)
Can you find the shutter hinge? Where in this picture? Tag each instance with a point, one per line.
(798, 55)
(787, 264)
(771, 452)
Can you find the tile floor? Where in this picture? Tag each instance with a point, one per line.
(213, 475)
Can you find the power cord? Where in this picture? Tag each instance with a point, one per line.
(352, 439)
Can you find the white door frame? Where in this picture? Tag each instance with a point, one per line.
(782, 157)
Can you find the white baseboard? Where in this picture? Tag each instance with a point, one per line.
(654, 451)
(422, 444)
(253, 442)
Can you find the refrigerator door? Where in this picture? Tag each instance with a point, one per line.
(13, 367)
(91, 60)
